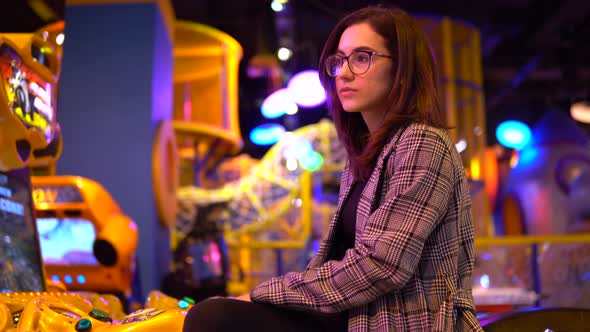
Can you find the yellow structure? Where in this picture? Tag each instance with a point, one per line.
(206, 64)
(456, 46)
(457, 50)
(271, 211)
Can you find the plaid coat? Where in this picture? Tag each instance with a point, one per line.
(410, 268)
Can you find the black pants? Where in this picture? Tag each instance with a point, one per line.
(224, 314)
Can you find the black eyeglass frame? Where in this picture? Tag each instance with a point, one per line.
(345, 58)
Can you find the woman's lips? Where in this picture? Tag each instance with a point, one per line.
(347, 91)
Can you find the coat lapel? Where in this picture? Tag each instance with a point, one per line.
(365, 204)
(367, 201)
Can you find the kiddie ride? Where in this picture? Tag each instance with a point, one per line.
(29, 135)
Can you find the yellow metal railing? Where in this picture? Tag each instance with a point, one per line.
(532, 239)
(246, 243)
(555, 267)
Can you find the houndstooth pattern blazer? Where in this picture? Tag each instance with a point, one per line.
(410, 268)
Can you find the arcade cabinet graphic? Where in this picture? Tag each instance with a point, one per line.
(29, 136)
(28, 83)
(29, 96)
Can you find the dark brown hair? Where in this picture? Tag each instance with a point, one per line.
(412, 98)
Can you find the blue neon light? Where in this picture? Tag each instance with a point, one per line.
(81, 279)
(267, 134)
(68, 279)
(513, 134)
(277, 104)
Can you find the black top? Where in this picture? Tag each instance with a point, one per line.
(346, 226)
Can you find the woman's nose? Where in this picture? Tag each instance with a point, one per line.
(345, 72)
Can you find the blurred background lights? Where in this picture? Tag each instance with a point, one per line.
(580, 112)
(461, 145)
(267, 134)
(297, 149)
(291, 164)
(312, 162)
(277, 6)
(60, 39)
(513, 134)
(292, 110)
(484, 281)
(277, 104)
(306, 89)
(284, 54)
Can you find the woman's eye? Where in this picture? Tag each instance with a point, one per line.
(362, 58)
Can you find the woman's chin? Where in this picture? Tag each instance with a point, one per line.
(350, 109)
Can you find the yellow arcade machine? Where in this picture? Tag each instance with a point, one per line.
(87, 242)
(29, 135)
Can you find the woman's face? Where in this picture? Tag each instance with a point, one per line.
(366, 93)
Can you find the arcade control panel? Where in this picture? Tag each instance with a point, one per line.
(63, 311)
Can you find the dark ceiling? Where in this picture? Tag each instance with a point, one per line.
(536, 53)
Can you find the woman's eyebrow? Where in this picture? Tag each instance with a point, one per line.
(358, 48)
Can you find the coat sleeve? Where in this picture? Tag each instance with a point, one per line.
(419, 185)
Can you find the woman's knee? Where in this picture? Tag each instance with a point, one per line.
(207, 315)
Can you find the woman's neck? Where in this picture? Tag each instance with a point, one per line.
(373, 120)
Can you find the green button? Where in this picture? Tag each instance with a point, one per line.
(189, 300)
(83, 324)
(100, 315)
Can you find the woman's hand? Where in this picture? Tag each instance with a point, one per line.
(244, 297)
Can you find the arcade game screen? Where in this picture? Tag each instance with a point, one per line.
(66, 241)
(207, 263)
(29, 96)
(20, 258)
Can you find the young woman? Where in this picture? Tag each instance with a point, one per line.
(398, 255)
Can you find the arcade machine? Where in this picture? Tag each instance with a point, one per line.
(29, 134)
(86, 240)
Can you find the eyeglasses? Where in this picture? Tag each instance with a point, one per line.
(359, 62)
